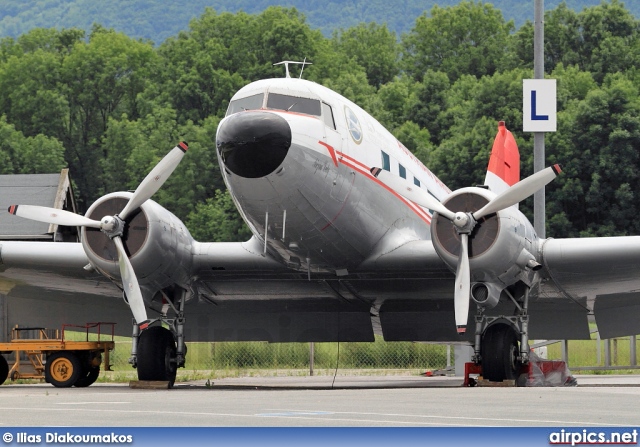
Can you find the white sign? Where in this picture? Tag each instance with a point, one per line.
(539, 105)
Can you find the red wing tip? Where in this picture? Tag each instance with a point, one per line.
(462, 330)
(557, 169)
(183, 145)
(13, 209)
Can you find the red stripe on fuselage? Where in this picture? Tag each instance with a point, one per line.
(363, 169)
(332, 152)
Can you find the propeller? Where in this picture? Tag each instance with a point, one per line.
(465, 222)
(113, 226)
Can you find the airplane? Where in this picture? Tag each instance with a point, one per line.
(352, 236)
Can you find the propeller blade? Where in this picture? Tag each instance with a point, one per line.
(53, 216)
(155, 179)
(519, 191)
(130, 284)
(412, 192)
(462, 285)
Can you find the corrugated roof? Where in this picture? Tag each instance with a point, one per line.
(31, 189)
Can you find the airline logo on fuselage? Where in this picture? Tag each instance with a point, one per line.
(353, 124)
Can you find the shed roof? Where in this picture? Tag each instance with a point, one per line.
(52, 190)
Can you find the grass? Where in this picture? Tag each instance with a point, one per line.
(584, 354)
(209, 361)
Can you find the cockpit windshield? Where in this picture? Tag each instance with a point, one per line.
(294, 104)
(253, 102)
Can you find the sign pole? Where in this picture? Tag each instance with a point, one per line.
(538, 137)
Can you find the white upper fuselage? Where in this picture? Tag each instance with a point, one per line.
(321, 207)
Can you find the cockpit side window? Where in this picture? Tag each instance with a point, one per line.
(293, 104)
(253, 102)
(327, 116)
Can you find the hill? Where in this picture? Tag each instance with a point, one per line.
(157, 20)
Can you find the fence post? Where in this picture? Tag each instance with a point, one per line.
(565, 351)
(607, 352)
(311, 357)
(632, 351)
(598, 353)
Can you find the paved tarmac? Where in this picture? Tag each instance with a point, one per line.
(400, 401)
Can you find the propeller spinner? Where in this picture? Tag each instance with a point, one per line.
(113, 226)
(465, 222)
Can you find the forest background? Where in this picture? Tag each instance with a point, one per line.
(109, 106)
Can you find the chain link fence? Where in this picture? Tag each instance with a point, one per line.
(248, 358)
(226, 359)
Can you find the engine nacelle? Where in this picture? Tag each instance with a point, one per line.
(503, 247)
(157, 242)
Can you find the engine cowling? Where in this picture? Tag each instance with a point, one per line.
(502, 246)
(156, 241)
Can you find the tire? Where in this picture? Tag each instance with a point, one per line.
(88, 376)
(157, 355)
(62, 369)
(4, 369)
(500, 351)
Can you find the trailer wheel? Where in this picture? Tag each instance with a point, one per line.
(62, 369)
(88, 376)
(4, 369)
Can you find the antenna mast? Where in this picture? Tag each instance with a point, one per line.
(286, 66)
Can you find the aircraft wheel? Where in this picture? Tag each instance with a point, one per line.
(157, 355)
(89, 376)
(62, 369)
(4, 369)
(500, 351)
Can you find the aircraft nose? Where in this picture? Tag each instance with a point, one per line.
(253, 144)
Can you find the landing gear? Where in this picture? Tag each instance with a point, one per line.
(157, 355)
(500, 353)
(496, 342)
(158, 352)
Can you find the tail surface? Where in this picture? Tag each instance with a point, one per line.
(504, 165)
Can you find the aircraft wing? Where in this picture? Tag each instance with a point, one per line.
(404, 290)
(601, 274)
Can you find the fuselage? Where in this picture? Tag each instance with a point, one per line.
(297, 159)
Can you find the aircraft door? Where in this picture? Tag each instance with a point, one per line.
(333, 138)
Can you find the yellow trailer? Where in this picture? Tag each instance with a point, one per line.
(59, 361)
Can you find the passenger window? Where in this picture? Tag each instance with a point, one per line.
(327, 116)
(386, 162)
(416, 181)
(249, 103)
(402, 171)
(293, 104)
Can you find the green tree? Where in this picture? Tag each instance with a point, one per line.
(217, 219)
(101, 79)
(469, 38)
(374, 48)
(28, 155)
